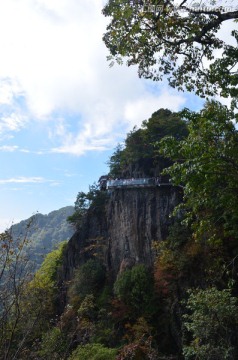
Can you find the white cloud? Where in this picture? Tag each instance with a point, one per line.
(55, 183)
(9, 89)
(8, 148)
(12, 148)
(52, 51)
(24, 180)
(52, 54)
(13, 122)
(25, 151)
(141, 109)
(84, 141)
(48, 47)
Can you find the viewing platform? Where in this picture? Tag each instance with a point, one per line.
(109, 184)
(131, 183)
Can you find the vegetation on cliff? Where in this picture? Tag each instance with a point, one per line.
(144, 313)
(138, 157)
(185, 305)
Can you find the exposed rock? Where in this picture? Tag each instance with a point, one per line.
(124, 231)
(136, 218)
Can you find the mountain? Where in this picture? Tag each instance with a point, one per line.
(150, 265)
(44, 232)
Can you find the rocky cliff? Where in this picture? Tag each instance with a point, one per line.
(123, 231)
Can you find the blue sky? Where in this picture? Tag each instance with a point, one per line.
(62, 109)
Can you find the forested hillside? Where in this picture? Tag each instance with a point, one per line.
(151, 272)
(44, 232)
(148, 269)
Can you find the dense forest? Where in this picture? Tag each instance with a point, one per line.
(183, 305)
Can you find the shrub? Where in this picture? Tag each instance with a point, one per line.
(93, 352)
(135, 288)
(53, 345)
(88, 279)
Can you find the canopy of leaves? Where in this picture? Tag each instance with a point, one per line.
(211, 319)
(175, 39)
(139, 157)
(88, 279)
(206, 165)
(46, 276)
(135, 288)
(43, 287)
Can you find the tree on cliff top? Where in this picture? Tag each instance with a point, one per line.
(178, 40)
(139, 157)
(206, 164)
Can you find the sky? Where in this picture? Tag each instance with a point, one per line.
(62, 108)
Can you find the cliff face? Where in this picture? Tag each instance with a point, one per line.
(136, 218)
(123, 233)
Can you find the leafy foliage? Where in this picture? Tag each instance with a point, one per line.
(172, 40)
(140, 342)
(94, 200)
(135, 288)
(53, 345)
(89, 278)
(93, 352)
(43, 287)
(150, 313)
(139, 157)
(211, 319)
(26, 304)
(15, 272)
(206, 164)
(46, 276)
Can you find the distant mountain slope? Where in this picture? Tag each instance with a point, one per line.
(44, 232)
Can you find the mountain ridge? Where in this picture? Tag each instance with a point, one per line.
(44, 232)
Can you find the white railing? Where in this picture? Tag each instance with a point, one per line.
(131, 182)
